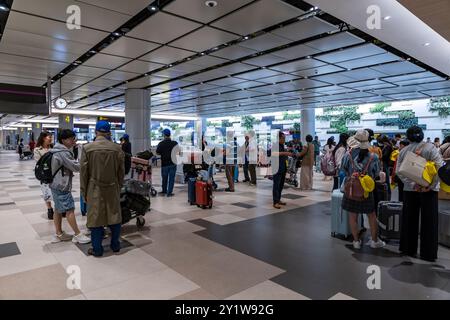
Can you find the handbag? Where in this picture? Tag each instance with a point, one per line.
(413, 165)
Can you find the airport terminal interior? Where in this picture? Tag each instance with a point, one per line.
(202, 70)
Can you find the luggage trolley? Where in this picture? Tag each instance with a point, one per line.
(141, 170)
(292, 172)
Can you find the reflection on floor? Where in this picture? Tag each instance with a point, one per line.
(243, 248)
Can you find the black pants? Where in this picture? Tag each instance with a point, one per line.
(278, 184)
(400, 186)
(335, 183)
(252, 168)
(425, 204)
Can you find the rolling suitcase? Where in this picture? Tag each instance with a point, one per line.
(340, 226)
(389, 219)
(191, 191)
(203, 194)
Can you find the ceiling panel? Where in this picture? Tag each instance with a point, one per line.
(437, 85)
(265, 60)
(120, 75)
(204, 39)
(304, 29)
(278, 78)
(129, 47)
(265, 42)
(409, 77)
(406, 96)
(207, 61)
(46, 54)
(85, 71)
(145, 81)
(368, 61)
(234, 52)
(298, 65)
(351, 53)
(258, 16)
(44, 42)
(141, 67)
(236, 68)
(245, 85)
(197, 10)
(106, 61)
(50, 28)
(333, 78)
(366, 83)
(295, 52)
(363, 74)
(227, 81)
(130, 7)
(258, 74)
(437, 92)
(335, 41)
(162, 28)
(92, 16)
(317, 71)
(208, 75)
(166, 55)
(396, 68)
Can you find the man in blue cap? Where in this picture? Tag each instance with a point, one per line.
(126, 148)
(168, 167)
(101, 178)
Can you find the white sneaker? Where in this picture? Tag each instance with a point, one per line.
(377, 244)
(61, 237)
(81, 238)
(357, 244)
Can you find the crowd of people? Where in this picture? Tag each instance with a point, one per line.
(104, 165)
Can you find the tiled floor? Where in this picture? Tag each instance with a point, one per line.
(242, 248)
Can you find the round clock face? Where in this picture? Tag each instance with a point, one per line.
(60, 103)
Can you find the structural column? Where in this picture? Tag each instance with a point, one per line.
(137, 118)
(36, 129)
(308, 123)
(200, 130)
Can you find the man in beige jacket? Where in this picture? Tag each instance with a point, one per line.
(101, 178)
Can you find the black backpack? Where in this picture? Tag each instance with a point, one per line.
(444, 173)
(43, 169)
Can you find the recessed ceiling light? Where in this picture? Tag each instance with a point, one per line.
(426, 44)
(116, 34)
(202, 53)
(246, 37)
(387, 17)
(92, 51)
(4, 7)
(153, 8)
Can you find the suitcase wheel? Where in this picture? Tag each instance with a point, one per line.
(333, 234)
(140, 221)
(153, 193)
(210, 206)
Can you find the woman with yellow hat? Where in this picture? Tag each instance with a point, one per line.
(366, 166)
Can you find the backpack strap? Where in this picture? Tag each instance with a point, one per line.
(368, 164)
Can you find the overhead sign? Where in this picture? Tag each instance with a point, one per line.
(17, 99)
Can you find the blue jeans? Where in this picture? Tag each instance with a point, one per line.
(278, 184)
(97, 235)
(168, 178)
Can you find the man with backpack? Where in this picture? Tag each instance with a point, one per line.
(56, 168)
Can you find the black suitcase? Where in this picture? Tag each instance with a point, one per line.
(389, 219)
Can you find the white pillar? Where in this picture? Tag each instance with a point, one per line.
(137, 118)
(36, 129)
(200, 130)
(308, 123)
(65, 121)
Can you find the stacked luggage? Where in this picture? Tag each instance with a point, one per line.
(200, 191)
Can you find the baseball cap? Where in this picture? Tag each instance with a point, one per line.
(103, 126)
(166, 132)
(126, 136)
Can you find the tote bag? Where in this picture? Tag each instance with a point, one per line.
(413, 166)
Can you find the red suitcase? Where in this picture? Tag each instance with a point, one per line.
(203, 194)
